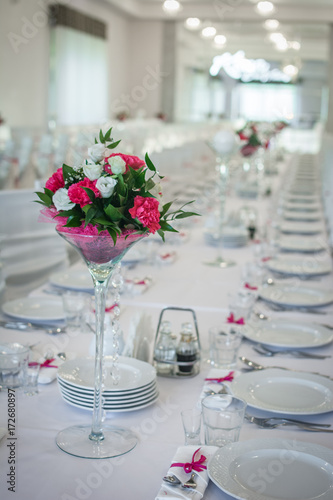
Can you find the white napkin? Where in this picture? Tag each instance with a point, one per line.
(183, 455)
(214, 386)
(140, 337)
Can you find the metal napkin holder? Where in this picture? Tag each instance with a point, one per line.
(195, 364)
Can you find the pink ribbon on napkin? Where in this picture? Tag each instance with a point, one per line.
(109, 309)
(141, 282)
(232, 319)
(249, 287)
(218, 380)
(196, 465)
(45, 364)
(265, 259)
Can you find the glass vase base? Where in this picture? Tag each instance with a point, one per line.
(75, 441)
(221, 263)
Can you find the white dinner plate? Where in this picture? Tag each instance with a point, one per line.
(304, 266)
(302, 207)
(301, 198)
(282, 391)
(288, 334)
(302, 216)
(89, 407)
(301, 244)
(112, 405)
(273, 469)
(301, 227)
(296, 296)
(35, 309)
(73, 279)
(108, 396)
(133, 373)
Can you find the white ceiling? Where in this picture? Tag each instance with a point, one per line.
(306, 21)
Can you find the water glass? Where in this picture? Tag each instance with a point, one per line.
(223, 417)
(31, 379)
(224, 346)
(13, 364)
(241, 304)
(74, 304)
(192, 425)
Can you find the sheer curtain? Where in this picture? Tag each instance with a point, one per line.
(78, 77)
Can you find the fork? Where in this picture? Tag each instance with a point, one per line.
(265, 351)
(275, 421)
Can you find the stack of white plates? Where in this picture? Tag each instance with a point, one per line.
(136, 389)
(232, 237)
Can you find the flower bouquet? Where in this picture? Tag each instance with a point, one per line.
(102, 208)
(249, 134)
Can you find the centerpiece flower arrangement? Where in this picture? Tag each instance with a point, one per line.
(109, 194)
(102, 208)
(249, 134)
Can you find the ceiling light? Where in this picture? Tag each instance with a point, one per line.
(220, 40)
(282, 45)
(277, 37)
(208, 32)
(265, 8)
(290, 70)
(171, 6)
(294, 45)
(192, 23)
(271, 24)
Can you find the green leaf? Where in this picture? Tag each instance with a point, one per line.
(183, 215)
(165, 226)
(90, 215)
(49, 192)
(113, 234)
(165, 208)
(73, 222)
(161, 233)
(45, 199)
(107, 136)
(90, 193)
(121, 187)
(113, 145)
(101, 136)
(150, 184)
(149, 163)
(113, 213)
(68, 173)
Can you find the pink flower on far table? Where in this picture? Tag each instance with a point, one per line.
(146, 211)
(78, 195)
(56, 181)
(131, 161)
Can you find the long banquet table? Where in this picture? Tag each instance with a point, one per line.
(44, 471)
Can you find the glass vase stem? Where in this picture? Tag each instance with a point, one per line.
(100, 288)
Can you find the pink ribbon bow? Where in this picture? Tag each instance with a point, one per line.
(45, 364)
(193, 465)
(109, 309)
(232, 319)
(265, 259)
(249, 287)
(218, 380)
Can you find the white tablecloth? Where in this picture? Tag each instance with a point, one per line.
(44, 471)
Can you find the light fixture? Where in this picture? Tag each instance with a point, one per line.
(192, 23)
(208, 32)
(219, 40)
(294, 45)
(277, 37)
(271, 24)
(265, 8)
(171, 6)
(282, 45)
(290, 70)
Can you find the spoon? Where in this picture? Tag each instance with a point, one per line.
(260, 315)
(62, 355)
(260, 349)
(190, 483)
(256, 366)
(172, 479)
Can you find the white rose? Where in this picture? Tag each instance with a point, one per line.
(92, 171)
(105, 186)
(96, 152)
(117, 164)
(61, 200)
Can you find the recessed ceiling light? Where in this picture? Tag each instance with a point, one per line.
(271, 24)
(277, 37)
(290, 70)
(220, 40)
(192, 23)
(171, 6)
(282, 45)
(265, 8)
(208, 32)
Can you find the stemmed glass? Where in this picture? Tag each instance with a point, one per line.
(98, 440)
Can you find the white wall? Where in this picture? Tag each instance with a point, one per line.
(24, 60)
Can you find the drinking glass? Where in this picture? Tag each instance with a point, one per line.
(192, 425)
(224, 346)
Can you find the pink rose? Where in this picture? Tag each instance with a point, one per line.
(131, 161)
(78, 195)
(56, 181)
(146, 211)
(248, 150)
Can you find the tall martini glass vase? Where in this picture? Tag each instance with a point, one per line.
(101, 256)
(222, 181)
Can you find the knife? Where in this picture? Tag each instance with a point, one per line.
(21, 325)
